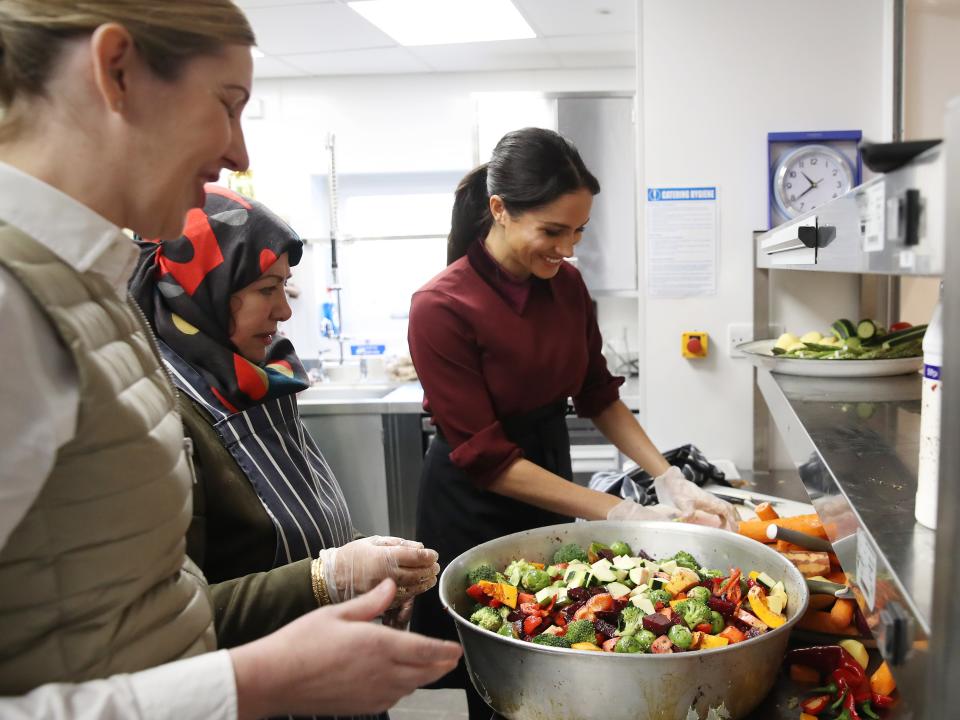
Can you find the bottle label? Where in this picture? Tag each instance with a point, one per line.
(931, 371)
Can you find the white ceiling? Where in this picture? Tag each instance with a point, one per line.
(325, 37)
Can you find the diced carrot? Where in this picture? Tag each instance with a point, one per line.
(807, 716)
(837, 576)
(821, 622)
(882, 682)
(821, 602)
(732, 634)
(804, 674)
(842, 614)
(765, 511)
(784, 546)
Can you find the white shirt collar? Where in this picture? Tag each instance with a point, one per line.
(69, 229)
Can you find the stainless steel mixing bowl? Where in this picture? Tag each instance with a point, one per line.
(523, 681)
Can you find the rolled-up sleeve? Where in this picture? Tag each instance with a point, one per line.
(600, 388)
(447, 357)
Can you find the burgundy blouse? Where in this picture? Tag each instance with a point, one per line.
(487, 346)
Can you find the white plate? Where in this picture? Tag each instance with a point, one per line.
(760, 354)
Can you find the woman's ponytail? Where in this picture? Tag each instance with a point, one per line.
(471, 217)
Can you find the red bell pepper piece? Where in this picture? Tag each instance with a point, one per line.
(704, 628)
(477, 594)
(815, 705)
(531, 623)
(526, 598)
(494, 603)
(530, 608)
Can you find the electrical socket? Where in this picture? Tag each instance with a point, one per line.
(739, 333)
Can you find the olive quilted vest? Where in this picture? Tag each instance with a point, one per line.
(94, 580)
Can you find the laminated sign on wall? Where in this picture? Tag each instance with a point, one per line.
(682, 234)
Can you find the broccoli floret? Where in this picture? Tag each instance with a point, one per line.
(551, 640)
(581, 631)
(631, 618)
(506, 630)
(685, 559)
(627, 644)
(645, 639)
(707, 574)
(620, 548)
(569, 552)
(695, 613)
(487, 618)
(515, 571)
(660, 596)
(699, 593)
(535, 580)
(482, 572)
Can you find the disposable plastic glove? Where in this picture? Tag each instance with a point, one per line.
(695, 504)
(630, 510)
(360, 565)
(334, 661)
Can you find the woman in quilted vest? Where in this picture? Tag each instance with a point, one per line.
(265, 500)
(114, 114)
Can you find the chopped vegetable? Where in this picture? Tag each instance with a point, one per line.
(882, 682)
(758, 603)
(804, 674)
(857, 650)
(765, 511)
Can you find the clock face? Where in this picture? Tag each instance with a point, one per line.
(809, 176)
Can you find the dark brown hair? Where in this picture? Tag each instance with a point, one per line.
(528, 169)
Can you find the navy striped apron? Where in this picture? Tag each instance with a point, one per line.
(283, 464)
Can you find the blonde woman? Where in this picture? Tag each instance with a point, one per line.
(116, 114)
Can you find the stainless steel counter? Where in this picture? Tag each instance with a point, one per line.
(855, 443)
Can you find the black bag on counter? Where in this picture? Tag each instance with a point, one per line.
(637, 484)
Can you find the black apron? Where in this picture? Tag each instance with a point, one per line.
(454, 515)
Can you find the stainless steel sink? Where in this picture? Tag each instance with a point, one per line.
(326, 392)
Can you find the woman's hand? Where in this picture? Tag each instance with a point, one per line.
(360, 565)
(334, 661)
(695, 504)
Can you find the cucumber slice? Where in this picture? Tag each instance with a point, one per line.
(866, 329)
(903, 337)
(843, 329)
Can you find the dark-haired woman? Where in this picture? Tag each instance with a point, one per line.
(501, 339)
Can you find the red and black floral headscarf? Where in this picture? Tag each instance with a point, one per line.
(184, 288)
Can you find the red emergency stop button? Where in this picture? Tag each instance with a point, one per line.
(694, 345)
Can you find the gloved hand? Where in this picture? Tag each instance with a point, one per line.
(695, 504)
(630, 510)
(361, 565)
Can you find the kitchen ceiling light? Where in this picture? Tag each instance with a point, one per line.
(445, 22)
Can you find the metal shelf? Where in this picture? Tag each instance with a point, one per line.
(855, 442)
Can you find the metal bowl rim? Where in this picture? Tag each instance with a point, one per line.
(698, 530)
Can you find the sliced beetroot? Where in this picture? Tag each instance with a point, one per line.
(753, 632)
(656, 623)
(611, 616)
(606, 553)
(571, 610)
(643, 554)
(598, 590)
(514, 616)
(605, 628)
(724, 607)
(578, 594)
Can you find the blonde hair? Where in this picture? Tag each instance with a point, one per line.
(167, 33)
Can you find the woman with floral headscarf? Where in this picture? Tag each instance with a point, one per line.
(269, 517)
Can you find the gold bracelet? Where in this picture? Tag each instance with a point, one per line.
(320, 592)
